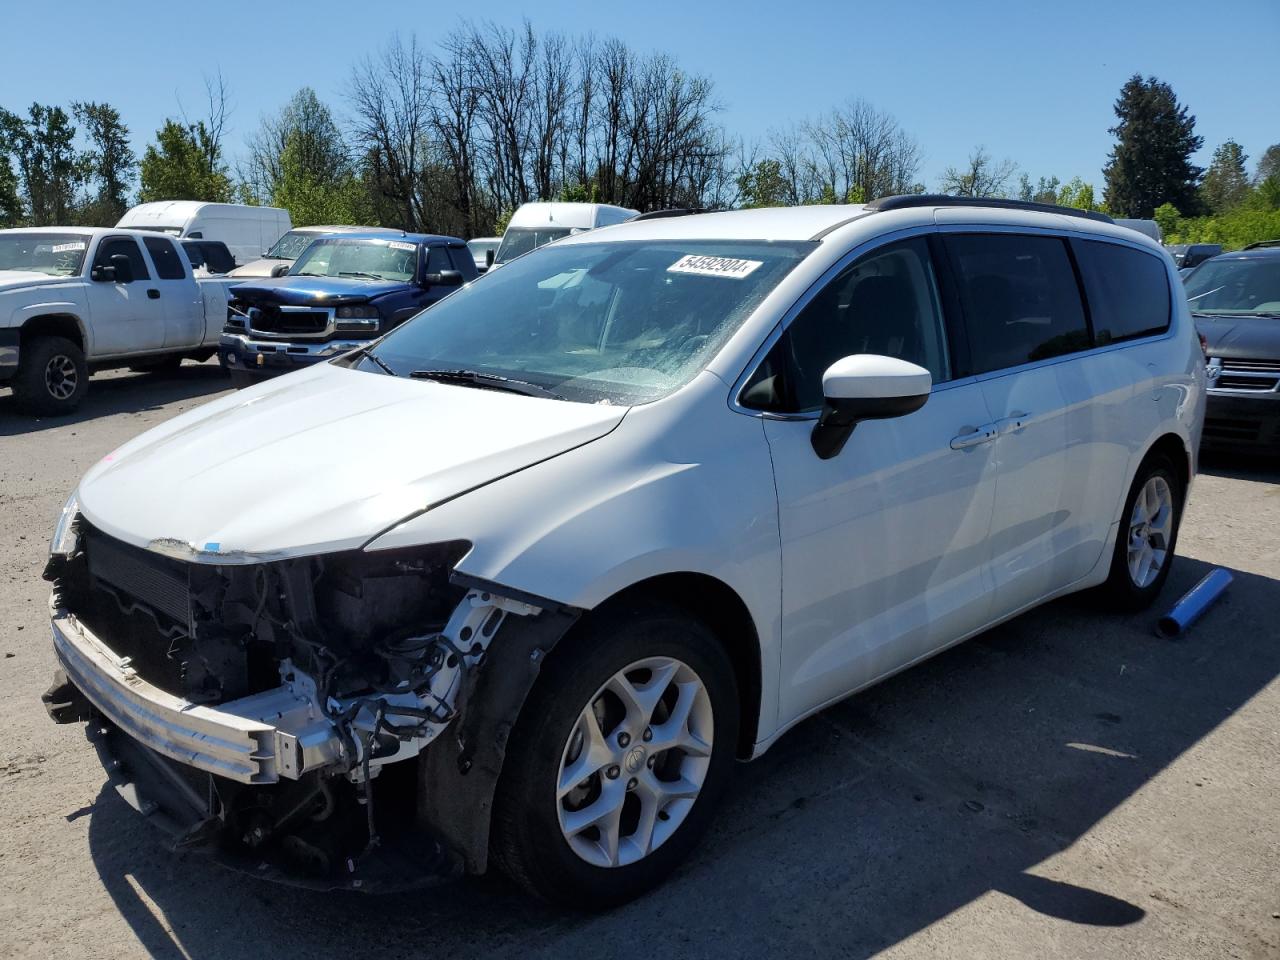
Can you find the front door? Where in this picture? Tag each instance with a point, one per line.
(884, 546)
(127, 315)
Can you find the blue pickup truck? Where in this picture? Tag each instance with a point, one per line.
(343, 291)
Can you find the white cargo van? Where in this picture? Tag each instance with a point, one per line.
(537, 223)
(246, 230)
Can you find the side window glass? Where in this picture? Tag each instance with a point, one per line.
(885, 303)
(438, 259)
(1020, 298)
(1128, 290)
(126, 246)
(463, 262)
(218, 257)
(165, 256)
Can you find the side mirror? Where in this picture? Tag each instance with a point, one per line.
(445, 278)
(866, 386)
(103, 274)
(280, 269)
(488, 257)
(121, 268)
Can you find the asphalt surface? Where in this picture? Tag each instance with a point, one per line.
(1067, 785)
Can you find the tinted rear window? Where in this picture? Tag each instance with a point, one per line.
(1020, 298)
(1128, 290)
(165, 256)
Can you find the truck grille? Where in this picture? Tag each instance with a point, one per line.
(153, 580)
(271, 319)
(1260, 376)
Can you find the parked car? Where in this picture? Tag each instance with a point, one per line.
(1193, 254)
(534, 224)
(529, 573)
(277, 260)
(74, 300)
(1148, 228)
(209, 257)
(341, 293)
(246, 230)
(1235, 298)
(484, 249)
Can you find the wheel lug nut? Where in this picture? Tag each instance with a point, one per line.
(623, 739)
(612, 772)
(652, 762)
(631, 784)
(648, 734)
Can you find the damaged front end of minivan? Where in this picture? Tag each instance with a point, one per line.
(338, 720)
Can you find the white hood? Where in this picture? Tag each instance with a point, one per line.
(261, 267)
(321, 460)
(18, 279)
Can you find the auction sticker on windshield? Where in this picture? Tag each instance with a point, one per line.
(714, 266)
(400, 245)
(67, 247)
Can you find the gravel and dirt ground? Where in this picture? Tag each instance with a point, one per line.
(1064, 786)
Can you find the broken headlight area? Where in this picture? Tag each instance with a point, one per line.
(283, 694)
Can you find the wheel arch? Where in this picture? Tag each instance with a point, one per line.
(719, 606)
(1171, 446)
(55, 325)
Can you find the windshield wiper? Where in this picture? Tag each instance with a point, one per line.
(488, 381)
(305, 274)
(360, 273)
(368, 352)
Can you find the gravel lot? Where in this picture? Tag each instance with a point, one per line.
(1064, 786)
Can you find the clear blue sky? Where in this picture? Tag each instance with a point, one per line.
(1032, 81)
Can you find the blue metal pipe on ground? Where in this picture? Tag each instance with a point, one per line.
(1194, 603)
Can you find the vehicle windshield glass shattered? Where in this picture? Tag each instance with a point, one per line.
(290, 246)
(624, 322)
(1236, 287)
(57, 254)
(521, 240)
(359, 260)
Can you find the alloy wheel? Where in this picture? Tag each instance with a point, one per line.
(1150, 531)
(635, 762)
(61, 377)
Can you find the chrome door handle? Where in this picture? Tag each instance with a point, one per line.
(972, 436)
(1015, 421)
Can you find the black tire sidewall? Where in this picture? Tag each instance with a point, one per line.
(29, 387)
(1126, 593)
(537, 854)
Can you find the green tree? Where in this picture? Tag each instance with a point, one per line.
(1268, 164)
(10, 202)
(1043, 191)
(313, 193)
(185, 163)
(763, 185)
(1226, 184)
(1167, 218)
(1076, 193)
(110, 162)
(50, 170)
(1151, 162)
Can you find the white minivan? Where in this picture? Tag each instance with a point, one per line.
(535, 224)
(524, 577)
(247, 230)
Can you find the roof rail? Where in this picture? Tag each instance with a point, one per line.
(1257, 244)
(673, 212)
(905, 201)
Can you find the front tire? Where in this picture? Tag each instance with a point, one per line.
(1147, 536)
(52, 377)
(618, 760)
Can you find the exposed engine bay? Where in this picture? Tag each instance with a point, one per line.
(285, 706)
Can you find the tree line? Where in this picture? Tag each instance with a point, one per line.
(453, 138)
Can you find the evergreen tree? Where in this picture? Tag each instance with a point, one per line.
(49, 168)
(1226, 184)
(185, 163)
(1268, 164)
(110, 162)
(1151, 162)
(10, 202)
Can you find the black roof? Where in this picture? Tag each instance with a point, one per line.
(905, 201)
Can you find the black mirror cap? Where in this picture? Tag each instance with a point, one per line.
(488, 257)
(839, 417)
(103, 274)
(445, 278)
(122, 267)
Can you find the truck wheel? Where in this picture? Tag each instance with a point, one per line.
(1147, 537)
(52, 376)
(618, 758)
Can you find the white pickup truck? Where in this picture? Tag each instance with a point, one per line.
(79, 299)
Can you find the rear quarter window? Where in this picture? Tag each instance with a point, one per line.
(165, 256)
(1128, 290)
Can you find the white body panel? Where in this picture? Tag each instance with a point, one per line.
(120, 320)
(851, 568)
(247, 231)
(576, 216)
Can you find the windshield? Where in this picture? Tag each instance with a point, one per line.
(520, 240)
(624, 322)
(1235, 286)
(290, 246)
(57, 254)
(358, 259)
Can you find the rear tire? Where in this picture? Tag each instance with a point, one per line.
(1147, 537)
(579, 752)
(52, 376)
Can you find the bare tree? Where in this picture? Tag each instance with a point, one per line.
(980, 177)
